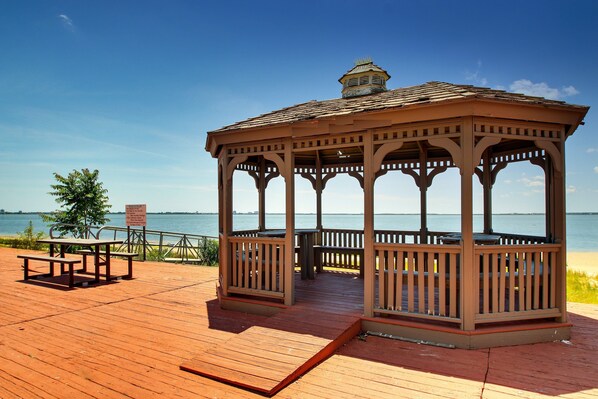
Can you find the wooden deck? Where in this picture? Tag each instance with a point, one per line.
(127, 339)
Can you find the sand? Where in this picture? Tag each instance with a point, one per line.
(583, 261)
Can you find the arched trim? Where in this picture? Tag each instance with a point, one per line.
(553, 151)
(233, 164)
(271, 156)
(453, 148)
(480, 147)
(383, 151)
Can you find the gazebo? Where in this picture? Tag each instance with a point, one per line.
(467, 288)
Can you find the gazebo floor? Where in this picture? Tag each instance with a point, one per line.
(127, 339)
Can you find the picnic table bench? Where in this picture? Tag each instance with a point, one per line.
(127, 255)
(51, 260)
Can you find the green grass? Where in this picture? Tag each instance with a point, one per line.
(582, 287)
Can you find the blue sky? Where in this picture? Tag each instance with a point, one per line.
(131, 88)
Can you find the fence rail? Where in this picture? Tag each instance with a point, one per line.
(157, 245)
(418, 280)
(516, 281)
(257, 266)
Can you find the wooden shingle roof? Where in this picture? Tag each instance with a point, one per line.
(430, 92)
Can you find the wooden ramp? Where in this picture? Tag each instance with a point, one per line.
(268, 357)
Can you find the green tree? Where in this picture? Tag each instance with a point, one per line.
(83, 202)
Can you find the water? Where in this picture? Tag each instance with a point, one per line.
(582, 229)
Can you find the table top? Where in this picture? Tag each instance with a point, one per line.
(282, 233)
(79, 241)
(477, 237)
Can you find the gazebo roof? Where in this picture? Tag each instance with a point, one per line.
(427, 93)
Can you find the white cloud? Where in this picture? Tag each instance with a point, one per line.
(591, 150)
(476, 78)
(536, 181)
(66, 22)
(571, 189)
(570, 91)
(595, 169)
(541, 89)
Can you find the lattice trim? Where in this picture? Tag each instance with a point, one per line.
(516, 156)
(255, 148)
(417, 130)
(328, 142)
(522, 129)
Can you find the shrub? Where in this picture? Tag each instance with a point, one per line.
(582, 287)
(28, 238)
(208, 251)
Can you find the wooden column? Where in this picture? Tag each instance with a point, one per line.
(368, 225)
(262, 195)
(289, 177)
(319, 189)
(423, 194)
(487, 187)
(560, 231)
(468, 293)
(318, 192)
(225, 214)
(549, 193)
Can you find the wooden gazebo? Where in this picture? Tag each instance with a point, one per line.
(466, 288)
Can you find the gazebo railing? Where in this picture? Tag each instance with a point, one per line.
(257, 266)
(517, 282)
(519, 239)
(418, 280)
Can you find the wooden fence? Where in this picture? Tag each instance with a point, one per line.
(257, 266)
(418, 280)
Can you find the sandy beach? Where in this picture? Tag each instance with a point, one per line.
(583, 261)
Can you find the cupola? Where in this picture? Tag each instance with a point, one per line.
(364, 78)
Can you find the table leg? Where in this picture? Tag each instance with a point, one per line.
(62, 255)
(96, 261)
(52, 263)
(302, 260)
(107, 262)
(309, 255)
(306, 256)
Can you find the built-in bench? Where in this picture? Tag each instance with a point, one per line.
(127, 255)
(51, 260)
(321, 250)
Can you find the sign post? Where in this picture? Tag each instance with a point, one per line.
(136, 215)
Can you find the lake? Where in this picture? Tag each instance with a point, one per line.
(582, 229)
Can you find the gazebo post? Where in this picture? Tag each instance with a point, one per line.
(368, 225)
(319, 190)
(468, 292)
(225, 211)
(262, 195)
(560, 230)
(289, 178)
(487, 187)
(549, 192)
(423, 193)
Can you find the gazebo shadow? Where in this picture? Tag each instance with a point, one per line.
(552, 368)
(229, 320)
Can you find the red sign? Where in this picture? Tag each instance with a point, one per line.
(136, 215)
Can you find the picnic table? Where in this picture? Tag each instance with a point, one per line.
(98, 246)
